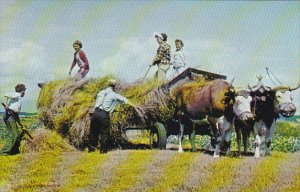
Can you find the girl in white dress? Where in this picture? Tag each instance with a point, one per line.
(178, 59)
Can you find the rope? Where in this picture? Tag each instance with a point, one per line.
(273, 76)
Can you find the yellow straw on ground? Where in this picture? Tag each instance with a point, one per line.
(127, 173)
(266, 172)
(8, 163)
(83, 172)
(295, 185)
(175, 171)
(222, 173)
(39, 172)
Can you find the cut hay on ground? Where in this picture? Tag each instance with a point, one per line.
(45, 140)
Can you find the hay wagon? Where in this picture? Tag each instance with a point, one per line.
(161, 130)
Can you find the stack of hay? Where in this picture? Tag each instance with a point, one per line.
(65, 106)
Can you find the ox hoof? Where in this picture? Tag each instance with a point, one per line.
(216, 156)
(180, 150)
(268, 152)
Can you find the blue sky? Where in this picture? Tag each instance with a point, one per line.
(235, 38)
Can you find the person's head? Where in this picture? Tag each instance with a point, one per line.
(160, 37)
(179, 44)
(20, 88)
(112, 83)
(77, 45)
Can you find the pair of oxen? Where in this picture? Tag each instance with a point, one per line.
(253, 109)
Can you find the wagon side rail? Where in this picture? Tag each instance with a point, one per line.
(189, 72)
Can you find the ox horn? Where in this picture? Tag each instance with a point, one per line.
(231, 82)
(281, 88)
(250, 89)
(294, 88)
(285, 88)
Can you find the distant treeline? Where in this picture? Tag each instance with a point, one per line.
(22, 114)
(293, 118)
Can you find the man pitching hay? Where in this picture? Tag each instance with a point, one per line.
(162, 57)
(106, 102)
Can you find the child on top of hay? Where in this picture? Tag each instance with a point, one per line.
(178, 60)
(81, 60)
(106, 102)
(13, 137)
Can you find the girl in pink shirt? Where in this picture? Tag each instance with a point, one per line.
(81, 60)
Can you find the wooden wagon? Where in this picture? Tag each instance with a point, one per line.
(161, 130)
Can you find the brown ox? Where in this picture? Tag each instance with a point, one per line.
(196, 102)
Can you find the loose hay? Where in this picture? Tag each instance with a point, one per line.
(45, 140)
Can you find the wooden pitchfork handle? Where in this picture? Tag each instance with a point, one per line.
(147, 72)
(18, 121)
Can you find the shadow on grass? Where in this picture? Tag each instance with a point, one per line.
(135, 146)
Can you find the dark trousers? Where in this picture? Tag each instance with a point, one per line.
(100, 125)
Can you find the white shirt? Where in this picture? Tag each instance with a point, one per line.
(107, 100)
(15, 101)
(179, 59)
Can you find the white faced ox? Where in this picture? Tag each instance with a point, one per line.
(241, 111)
(268, 105)
(284, 103)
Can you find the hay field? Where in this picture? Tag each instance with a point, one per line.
(147, 170)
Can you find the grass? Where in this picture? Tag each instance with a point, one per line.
(83, 172)
(295, 184)
(222, 173)
(39, 172)
(7, 164)
(266, 172)
(127, 174)
(36, 171)
(174, 172)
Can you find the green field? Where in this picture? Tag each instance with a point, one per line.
(150, 170)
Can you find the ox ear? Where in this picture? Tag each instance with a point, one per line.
(249, 98)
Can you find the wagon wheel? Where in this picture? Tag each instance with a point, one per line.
(158, 136)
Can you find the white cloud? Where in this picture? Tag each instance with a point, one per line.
(23, 64)
(130, 60)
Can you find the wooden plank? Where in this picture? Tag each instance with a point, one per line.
(189, 72)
